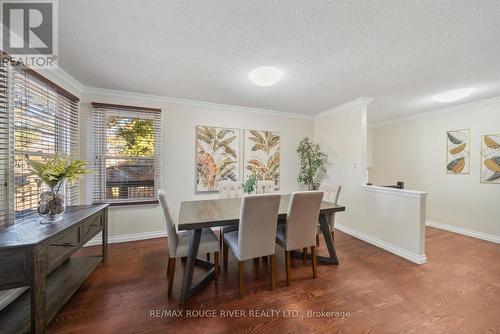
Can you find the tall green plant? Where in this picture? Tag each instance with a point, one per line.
(312, 164)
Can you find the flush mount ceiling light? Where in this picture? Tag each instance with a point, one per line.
(453, 95)
(265, 76)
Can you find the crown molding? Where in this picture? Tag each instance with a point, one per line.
(360, 101)
(437, 112)
(63, 79)
(92, 92)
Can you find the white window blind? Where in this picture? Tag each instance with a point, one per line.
(127, 154)
(5, 123)
(45, 120)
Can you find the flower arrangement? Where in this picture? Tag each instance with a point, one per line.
(53, 172)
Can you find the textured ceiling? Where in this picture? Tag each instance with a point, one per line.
(398, 52)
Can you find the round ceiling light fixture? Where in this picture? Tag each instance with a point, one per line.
(453, 95)
(265, 76)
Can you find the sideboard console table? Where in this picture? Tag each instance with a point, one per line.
(38, 256)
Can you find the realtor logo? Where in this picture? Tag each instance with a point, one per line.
(29, 32)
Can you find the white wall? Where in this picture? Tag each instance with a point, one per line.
(387, 218)
(414, 151)
(179, 122)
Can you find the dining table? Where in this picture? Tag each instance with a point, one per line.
(199, 214)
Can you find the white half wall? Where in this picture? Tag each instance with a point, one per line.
(389, 218)
(179, 120)
(414, 151)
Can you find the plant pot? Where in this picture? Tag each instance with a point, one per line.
(52, 204)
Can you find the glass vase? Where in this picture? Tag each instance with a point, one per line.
(52, 203)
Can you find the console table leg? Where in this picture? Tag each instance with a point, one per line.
(38, 287)
(105, 236)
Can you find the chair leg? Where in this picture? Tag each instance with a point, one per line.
(217, 268)
(171, 273)
(168, 267)
(304, 255)
(242, 278)
(208, 257)
(317, 239)
(287, 265)
(225, 255)
(333, 233)
(273, 272)
(313, 254)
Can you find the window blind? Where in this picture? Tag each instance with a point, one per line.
(5, 140)
(127, 153)
(45, 123)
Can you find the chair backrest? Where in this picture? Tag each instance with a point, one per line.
(257, 229)
(331, 192)
(264, 187)
(302, 219)
(171, 232)
(230, 189)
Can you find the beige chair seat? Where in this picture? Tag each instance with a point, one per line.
(209, 242)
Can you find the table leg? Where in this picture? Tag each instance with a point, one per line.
(105, 236)
(38, 290)
(191, 260)
(325, 228)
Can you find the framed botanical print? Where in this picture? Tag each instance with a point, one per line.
(262, 155)
(217, 156)
(458, 151)
(490, 158)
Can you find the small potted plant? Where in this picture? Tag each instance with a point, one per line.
(249, 185)
(52, 173)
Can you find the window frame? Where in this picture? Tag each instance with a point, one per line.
(100, 113)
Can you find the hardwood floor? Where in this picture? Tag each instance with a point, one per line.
(457, 291)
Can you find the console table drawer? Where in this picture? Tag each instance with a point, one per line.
(92, 226)
(61, 247)
(13, 265)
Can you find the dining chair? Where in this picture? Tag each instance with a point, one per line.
(178, 242)
(264, 186)
(229, 189)
(300, 228)
(256, 234)
(331, 193)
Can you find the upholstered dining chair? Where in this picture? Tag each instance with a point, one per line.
(300, 228)
(178, 242)
(229, 189)
(256, 234)
(331, 193)
(264, 187)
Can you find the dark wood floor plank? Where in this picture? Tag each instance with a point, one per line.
(457, 291)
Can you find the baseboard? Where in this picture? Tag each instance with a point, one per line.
(464, 231)
(127, 237)
(416, 258)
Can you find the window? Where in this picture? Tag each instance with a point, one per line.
(45, 123)
(38, 119)
(5, 208)
(127, 153)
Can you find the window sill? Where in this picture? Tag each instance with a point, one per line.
(118, 204)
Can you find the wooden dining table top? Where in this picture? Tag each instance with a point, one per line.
(221, 212)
